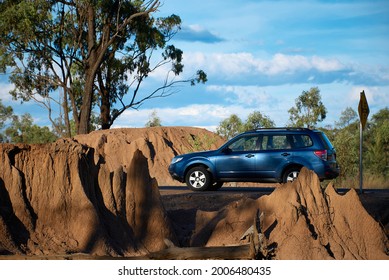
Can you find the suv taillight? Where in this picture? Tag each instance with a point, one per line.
(321, 154)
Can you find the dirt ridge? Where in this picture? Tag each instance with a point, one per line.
(56, 199)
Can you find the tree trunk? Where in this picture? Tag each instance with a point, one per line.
(105, 104)
(86, 107)
(90, 72)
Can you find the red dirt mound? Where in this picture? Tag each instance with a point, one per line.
(304, 222)
(62, 198)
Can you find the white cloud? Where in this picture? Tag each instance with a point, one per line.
(247, 95)
(200, 115)
(375, 96)
(326, 65)
(233, 64)
(285, 64)
(226, 64)
(196, 27)
(288, 64)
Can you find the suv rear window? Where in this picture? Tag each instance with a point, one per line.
(286, 141)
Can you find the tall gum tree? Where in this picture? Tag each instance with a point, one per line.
(309, 109)
(93, 52)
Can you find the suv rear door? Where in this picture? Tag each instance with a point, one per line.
(275, 153)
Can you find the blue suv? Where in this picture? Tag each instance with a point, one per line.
(263, 155)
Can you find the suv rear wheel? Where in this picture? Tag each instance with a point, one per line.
(198, 178)
(291, 174)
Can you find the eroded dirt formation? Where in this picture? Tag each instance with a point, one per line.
(62, 198)
(298, 220)
(303, 222)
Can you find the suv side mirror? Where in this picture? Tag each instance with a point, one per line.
(226, 150)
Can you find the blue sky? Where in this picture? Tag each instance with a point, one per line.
(261, 55)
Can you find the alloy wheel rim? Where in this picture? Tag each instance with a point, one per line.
(197, 179)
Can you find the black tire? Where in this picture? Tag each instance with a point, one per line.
(198, 179)
(291, 174)
(215, 186)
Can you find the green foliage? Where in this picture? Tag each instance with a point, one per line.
(345, 138)
(201, 77)
(256, 120)
(346, 142)
(22, 130)
(233, 125)
(308, 110)
(5, 113)
(348, 116)
(230, 127)
(377, 145)
(201, 142)
(154, 120)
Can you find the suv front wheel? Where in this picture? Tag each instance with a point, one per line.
(198, 179)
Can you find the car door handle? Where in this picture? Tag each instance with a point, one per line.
(285, 154)
(249, 155)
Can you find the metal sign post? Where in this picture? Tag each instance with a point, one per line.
(360, 159)
(363, 110)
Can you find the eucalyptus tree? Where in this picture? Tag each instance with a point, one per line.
(79, 54)
(6, 113)
(154, 120)
(348, 116)
(230, 127)
(233, 125)
(309, 109)
(23, 130)
(257, 120)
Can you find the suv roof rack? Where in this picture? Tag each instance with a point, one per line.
(280, 128)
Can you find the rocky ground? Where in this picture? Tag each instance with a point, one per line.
(98, 196)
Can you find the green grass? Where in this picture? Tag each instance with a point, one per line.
(370, 181)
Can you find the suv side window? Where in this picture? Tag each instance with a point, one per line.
(271, 142)
(276, 142)
(246, 143)
(286, 141)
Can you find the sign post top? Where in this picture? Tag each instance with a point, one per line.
(363, 109)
